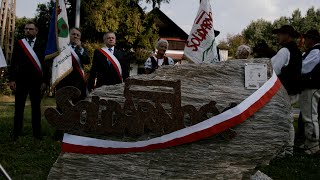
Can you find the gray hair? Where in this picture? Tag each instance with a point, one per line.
(160, 42)
(110, 32)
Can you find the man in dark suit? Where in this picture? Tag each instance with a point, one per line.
(26, 78)
(79, 57)
(108, 70)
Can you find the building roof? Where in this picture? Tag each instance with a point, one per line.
(167, 28)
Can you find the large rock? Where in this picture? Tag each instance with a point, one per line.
(257, 140)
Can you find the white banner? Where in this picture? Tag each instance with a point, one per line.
(62, 64)
(201, 46)
(2, 59)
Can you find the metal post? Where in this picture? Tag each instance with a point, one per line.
(77, 23)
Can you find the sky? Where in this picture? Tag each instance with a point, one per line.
(229, 16)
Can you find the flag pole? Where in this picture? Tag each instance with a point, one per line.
(77, 23)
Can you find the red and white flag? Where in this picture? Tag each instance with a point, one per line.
(201, 46)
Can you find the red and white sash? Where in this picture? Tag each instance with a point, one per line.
(32, 56)
(77, 64)
(113, 60)
(207, 128)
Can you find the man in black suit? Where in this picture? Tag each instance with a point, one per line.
(108, 70)
(79, 57)
(26, 78)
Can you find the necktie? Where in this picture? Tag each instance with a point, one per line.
(30, 42)
(110, 49)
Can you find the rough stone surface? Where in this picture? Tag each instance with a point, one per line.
(256, 142)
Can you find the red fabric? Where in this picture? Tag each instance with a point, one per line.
(210, 131)
(30, 57)
(113, 63)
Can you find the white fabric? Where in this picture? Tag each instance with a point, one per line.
(201, 46)
(75, 55)
(113, 58)
(309, 99)
(280, 60)
(310, 61)
(112, 51)
(148, 63)
(3, 62)
(62, 63)
(231, 113)
(33, 42)
(31, 51)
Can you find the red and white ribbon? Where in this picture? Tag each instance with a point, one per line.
(207, 128)
(77, 63)
(114, 61)
(31, 55)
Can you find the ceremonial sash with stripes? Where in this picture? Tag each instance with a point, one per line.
(114, 61)
(77, 64)
(32, 56)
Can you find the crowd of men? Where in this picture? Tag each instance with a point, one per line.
(30, 74)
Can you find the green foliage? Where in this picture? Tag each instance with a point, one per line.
(20, 23)
(261, 30)
(232, 43)
(42, 18)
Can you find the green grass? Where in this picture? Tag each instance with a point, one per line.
(26, 158)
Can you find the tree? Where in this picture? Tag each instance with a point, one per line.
(42, 19)
(126, 18)
(232, 43)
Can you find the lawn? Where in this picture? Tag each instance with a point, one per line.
(29, 159)
(26, 158)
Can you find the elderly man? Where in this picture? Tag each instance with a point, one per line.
(109, 64)
(154, 62)
(79, 57)
(310, 95)
(287, 65)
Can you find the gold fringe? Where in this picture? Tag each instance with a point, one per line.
(62, 77)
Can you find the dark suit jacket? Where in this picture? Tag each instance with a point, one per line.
(106, 74)
(74, 78)
(22, 69)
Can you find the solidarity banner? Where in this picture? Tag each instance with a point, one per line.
(207, 128)
(57, 46)
(2, 59)
(201, 46)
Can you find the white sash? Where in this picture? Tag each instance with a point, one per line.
(113, 60)
(31, 54)
(76, 57)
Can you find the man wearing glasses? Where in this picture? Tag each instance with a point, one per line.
(26, 78)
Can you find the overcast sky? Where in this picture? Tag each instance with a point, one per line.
(230, 16)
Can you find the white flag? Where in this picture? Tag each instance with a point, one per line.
(57, 46)
(201, 46)
(2, 59)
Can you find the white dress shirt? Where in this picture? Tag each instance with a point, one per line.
(280, 60)
(33, 42)
(311, 61)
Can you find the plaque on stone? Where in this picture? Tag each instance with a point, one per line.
(255, 75)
